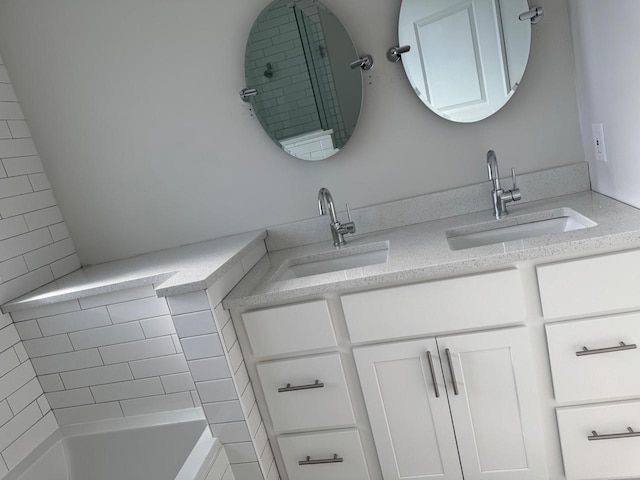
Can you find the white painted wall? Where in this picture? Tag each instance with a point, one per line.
(134, 107)
(607, 46)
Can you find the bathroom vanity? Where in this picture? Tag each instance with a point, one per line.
(506, 360)
(436, 343)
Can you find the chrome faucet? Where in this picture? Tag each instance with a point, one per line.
(501, 197)
(338, 230)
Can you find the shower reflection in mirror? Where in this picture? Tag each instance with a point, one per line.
(297, 57)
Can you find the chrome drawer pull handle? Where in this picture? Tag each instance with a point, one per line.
(320, 461)
(628, 434)
(453, 372)
(295, 388)
(433, 374)
(622, 346)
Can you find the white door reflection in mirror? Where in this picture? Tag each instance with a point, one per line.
(467, 57)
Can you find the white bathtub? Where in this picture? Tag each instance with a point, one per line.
(166, 446)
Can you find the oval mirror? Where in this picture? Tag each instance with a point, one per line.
(466, 57)
(308, 97)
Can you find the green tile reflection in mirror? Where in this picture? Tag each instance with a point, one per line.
(297, 58)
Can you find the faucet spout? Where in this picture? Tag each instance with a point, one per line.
(325, 202)
(499, 196)
(338, 229)
(492, 166)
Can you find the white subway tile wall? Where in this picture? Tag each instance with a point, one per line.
(35, 246)
(35, 249)
(25, 415)
(220, 468)
(105, 356)
(217, 368)
(215, 361)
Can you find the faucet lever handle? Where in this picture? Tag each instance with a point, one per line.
(513, 178)
(349, 213)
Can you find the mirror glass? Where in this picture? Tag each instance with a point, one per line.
(298, 59)
(467, 57)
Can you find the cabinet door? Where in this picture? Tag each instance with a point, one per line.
(495, 409)
(411, 425)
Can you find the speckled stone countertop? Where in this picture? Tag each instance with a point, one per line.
(174, 271)
(421, 252)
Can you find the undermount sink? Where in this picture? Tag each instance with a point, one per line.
(532, 225)
(356, 257)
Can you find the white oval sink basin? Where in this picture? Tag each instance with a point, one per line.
(548, 222)
(338, 260)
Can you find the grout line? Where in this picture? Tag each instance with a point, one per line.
(30, 193)
(32, 211)
(121, 400)
(30, 426)
(25, 175)
(106, 365)
(29, 251)
(124, 301)
(28, 138)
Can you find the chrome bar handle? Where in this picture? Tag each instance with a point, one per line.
(535, 15)
(320, 461)
(295, 388)
(365, 62)
(247, 93)
(628, 434)
(453, 372)
(349, 213)
(622, 346)
(433, 374)
(394, 54)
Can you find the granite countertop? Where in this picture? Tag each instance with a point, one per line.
(421, 252)
(173, 271)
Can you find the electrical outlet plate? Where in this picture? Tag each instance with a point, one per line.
(599, 147)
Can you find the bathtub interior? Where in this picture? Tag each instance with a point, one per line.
(151, 448)
(151, 453)
(52, 465)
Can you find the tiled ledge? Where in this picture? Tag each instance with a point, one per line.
(174, 271)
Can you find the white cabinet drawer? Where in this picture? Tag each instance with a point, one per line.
(314, 447)
(608, 370)
(306, 405)
(476, 301)
(289, 329)
(605, 458)
(606, 283)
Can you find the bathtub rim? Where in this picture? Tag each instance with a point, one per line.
(44, 446)
(206, 449)
(132, 423)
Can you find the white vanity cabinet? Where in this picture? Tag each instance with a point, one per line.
(605, 349)
(302, 382)
(306, 393)
(478, 385)
(443, 305)
(592, 285)
(290, 328)
(388, 360)
(406, 398)
(600, 441)
(337, 455)
(595, 360)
